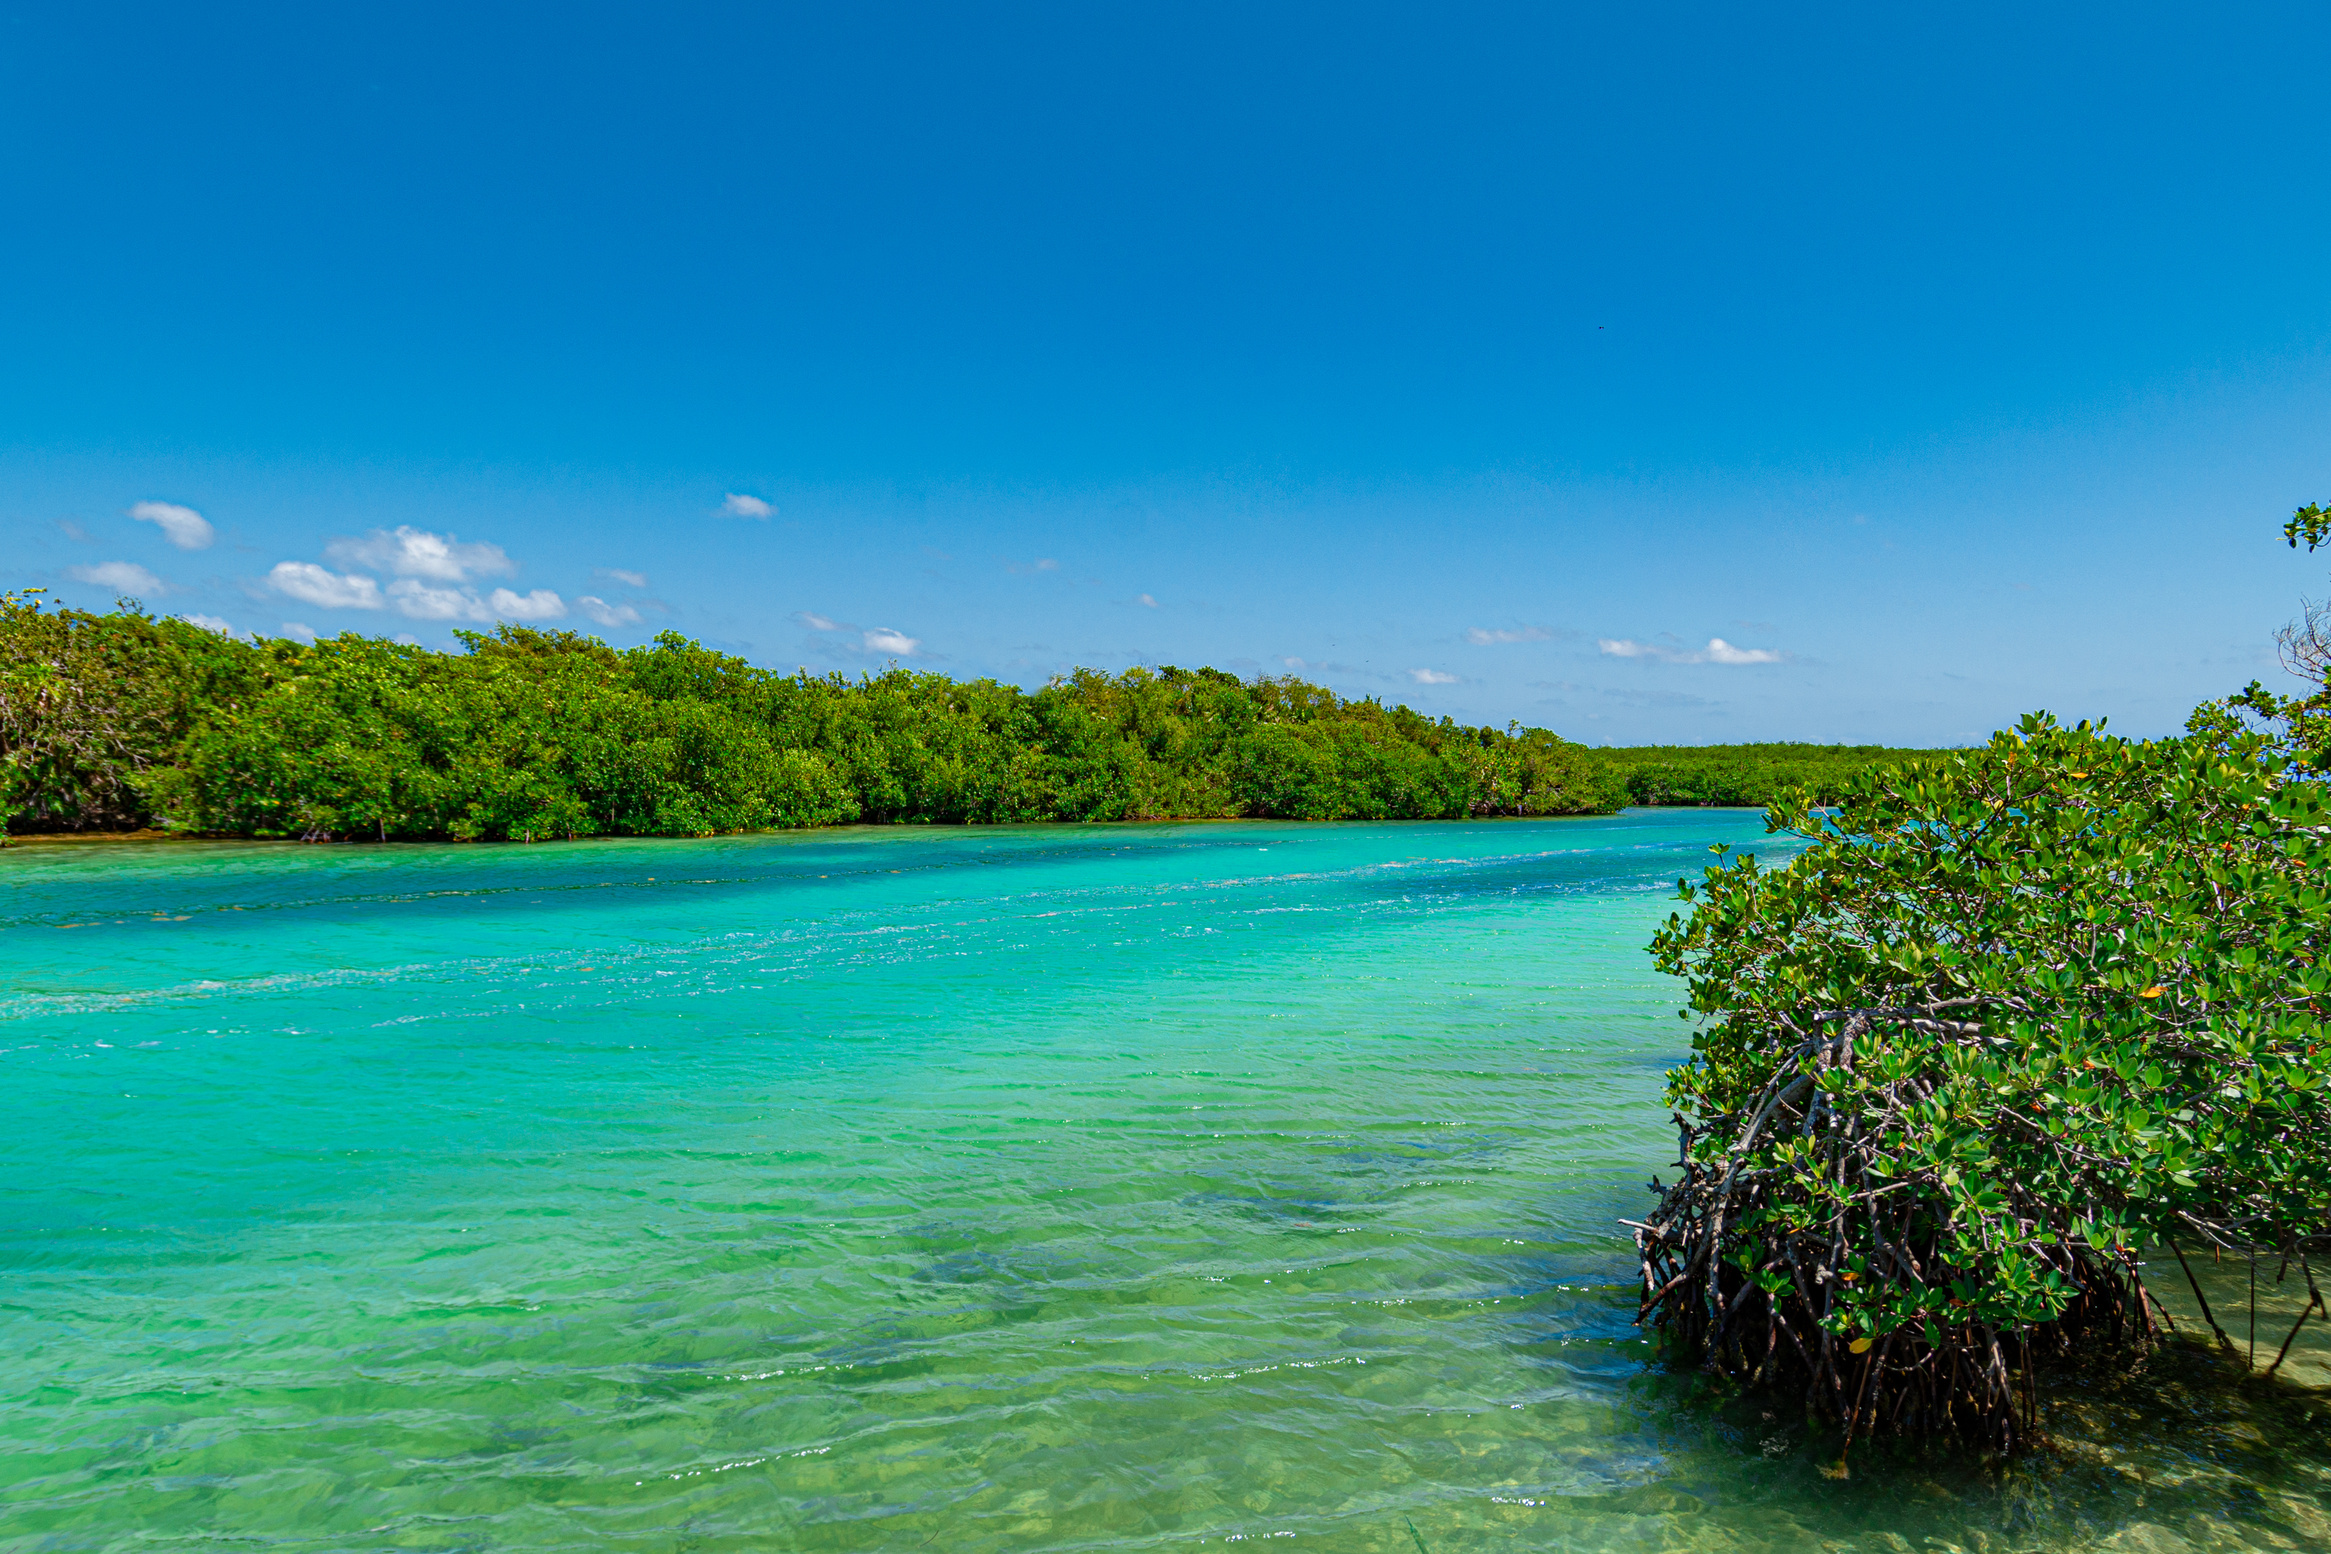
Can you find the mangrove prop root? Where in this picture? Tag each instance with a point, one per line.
(2202, 1300)
(2314, 1304)
(1743, 1269)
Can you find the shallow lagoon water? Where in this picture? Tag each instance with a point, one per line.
(1044, 1188)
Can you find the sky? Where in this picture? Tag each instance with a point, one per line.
(1681, 374)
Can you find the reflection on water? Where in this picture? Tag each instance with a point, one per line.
(1052, 1188)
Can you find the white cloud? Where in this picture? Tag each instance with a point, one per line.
(1483, 636)
(1431, 677)
(424, 603)
(604, 613)
(737, 505)
(1148, 602)
(211, 623)
(299, 632)
(879, 639)
(312, 584)
(127, 576)
(410, 552)
(1718, 651)
(618, 575)
(421, 602)
(407, 638)
(540, 605)
(181, 526)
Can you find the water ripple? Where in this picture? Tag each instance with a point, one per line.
(1063, 1188)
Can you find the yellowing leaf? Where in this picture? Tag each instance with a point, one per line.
(2152, 992)
(1860, 1346)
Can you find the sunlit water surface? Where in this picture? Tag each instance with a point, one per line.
(1041, 1188)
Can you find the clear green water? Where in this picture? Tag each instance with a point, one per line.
(972, 1190)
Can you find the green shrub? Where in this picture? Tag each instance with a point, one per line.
(2013, 1014)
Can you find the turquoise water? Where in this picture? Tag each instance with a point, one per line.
(1045, 1188)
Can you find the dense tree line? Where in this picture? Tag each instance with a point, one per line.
(1755, 775)
(119, 720)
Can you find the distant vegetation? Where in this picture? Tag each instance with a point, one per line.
(1755, 775)
(123, 720)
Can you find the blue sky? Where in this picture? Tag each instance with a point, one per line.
(1692, 374)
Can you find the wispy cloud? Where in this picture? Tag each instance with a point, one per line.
(127, 576)
(1718, 651)
(299, 631)
(1488, 636)
(1148, 603)
(538, 605)
(181, 526)
(409, 552)
(607, 614)
(410, 597)
(1324, 666)
(1030, 568)
(738, 505)
(211, 623)
(74, 531)
(1432, 677)
(419, 601)
(1669, 700)
(884, 640)
(312, 584)
(618, 575)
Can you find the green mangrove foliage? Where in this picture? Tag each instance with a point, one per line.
(2012, 1015)
(122, 719)
(1744, 774)
(90, 705)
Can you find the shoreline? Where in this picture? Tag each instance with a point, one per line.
(103, 838)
